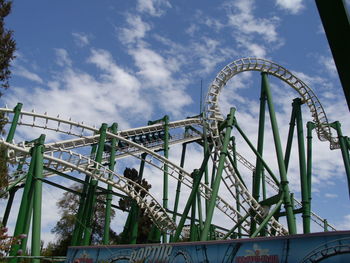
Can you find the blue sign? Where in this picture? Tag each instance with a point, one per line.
(325, 247)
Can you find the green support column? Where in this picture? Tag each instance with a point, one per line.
(91, 198)
(166, 172)
(302, 167)
(191, 197)
(25, 209)
(260, 147)
(105, 240)
(11, 134)
(12, 193)
(282, 169)
(17, 112)
(238, 202)
(310, 126)
(80, 218)
(37, 198)
(205, 149)
(193, 211)
(290, 138)
(215, 189)
(178, 187)
(344, 150)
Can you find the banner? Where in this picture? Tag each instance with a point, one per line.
(325, 247)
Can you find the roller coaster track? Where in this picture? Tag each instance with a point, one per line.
(60, 157)
(213, 114)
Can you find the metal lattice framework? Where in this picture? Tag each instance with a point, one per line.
(146, 144)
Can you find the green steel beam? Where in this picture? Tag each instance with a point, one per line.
(260, 149)
(166, 169)
(335, 20)
(191, 197)
(109, 197)
(178, 186)
(302, 168)
(215, 189)
(310, 126)
(280, 159)
(17, 112)
(12, 193)
(37, 199)
(91, 198)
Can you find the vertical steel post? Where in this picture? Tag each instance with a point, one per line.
(191, 197)
(92, 188)
(178, 187)
(344, 150)
(282, 169)
(80, 218)
(238, 202)
(105, 240)
(37, 198)
(310, 126)
(290, 138)
(205, 149)
(215, 189)
(165, 175)
(302, 167)
(260, 148)
(25, 208)
(17, 111)
(193, 211)
(11, 134)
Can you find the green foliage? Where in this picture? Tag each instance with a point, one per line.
(68, 206)
(7, 45)
(7, 50)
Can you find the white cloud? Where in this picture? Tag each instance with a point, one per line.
(81, 39)
(328, 64)
(243, 20)
(292, 6)
(153, 7)
(331, 195)
(136, 29)
(63, 58)
(25, 73)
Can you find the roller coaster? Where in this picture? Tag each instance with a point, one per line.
(260, 204)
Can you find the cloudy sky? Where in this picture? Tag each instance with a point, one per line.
(134, 61)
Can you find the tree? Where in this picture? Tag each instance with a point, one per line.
(7, 50)
(69, 205)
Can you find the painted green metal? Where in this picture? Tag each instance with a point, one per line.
(325, 225)
(302, 167)
(191, 197)
(282, 169)
(257, 174)
(17, 112)
(91, 197)
(109, 196)
(178, 186)
(234, 164)
(290, 138)
(239, 224)
(206, 172)
(344, 150)
(267, 218)
(310, 126)
(25, 208)
(193, 211)
(215, 188)
(166, 169)
(9, 138)
(12, 193)
(37, 198)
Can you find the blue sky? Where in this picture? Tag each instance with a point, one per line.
(134, 61)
